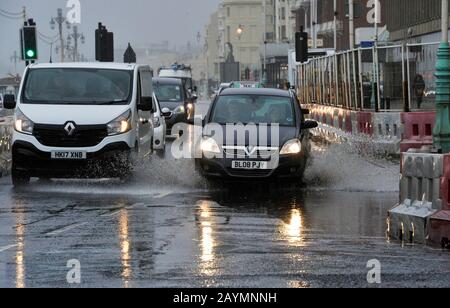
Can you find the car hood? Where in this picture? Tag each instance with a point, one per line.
(80, 114)
(171, 105)
(284, 134)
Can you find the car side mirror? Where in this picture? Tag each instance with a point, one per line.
(146, 104)
(9, 101)
(165, 112)
(305, 111)
(310, 125)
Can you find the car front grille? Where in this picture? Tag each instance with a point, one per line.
(244, 152)
(83, 136)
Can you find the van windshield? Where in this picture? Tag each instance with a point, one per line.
(78, 86)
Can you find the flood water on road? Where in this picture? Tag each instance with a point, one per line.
(168, 228)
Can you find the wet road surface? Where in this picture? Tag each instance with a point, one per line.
(168, 229)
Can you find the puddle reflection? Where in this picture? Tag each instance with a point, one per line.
(125, 247)
(206, 223)
(19, 258)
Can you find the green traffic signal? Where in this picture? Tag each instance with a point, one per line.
(30, 54)
(29, 43)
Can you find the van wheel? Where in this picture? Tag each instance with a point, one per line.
(19, 178)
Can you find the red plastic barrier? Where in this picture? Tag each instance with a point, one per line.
(348, 122)
(341, 120)
(418, 129)
(365, 124)
(445, 184)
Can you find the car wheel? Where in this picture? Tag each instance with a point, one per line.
(19, 178)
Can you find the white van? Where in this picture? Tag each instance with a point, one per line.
(89, 120)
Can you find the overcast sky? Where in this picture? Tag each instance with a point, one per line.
(137, 21)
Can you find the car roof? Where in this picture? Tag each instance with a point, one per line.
(166, 80)
(255, 91)
(89, 65)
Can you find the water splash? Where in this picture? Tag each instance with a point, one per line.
(342, 167)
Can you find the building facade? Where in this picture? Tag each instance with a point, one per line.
(240, 27)
(419, 22)
(317, 17)
(285, 20)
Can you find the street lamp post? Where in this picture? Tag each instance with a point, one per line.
(441, 133)
(59, 20)
(76, 36)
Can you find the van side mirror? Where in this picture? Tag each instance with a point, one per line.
(9, 101)
(146, 104)
(165, 112)
(310, 125)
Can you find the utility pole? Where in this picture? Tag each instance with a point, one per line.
(14, 58)
(351, 23)
(312, 10)
(441, 133)
(376, 77)
(335, 24)
(24, 15)
(263, 75)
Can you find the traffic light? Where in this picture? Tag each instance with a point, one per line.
(29, 43)
(301, 46)
(104, 44)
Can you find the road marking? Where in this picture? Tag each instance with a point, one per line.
(117, 211)
(65, 229)
(5, 248)
(162, 195)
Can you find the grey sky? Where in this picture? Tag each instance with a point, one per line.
(137, 21)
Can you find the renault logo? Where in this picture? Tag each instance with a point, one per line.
(70, 128)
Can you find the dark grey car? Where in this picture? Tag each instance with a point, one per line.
(172, 94)
(279, 148)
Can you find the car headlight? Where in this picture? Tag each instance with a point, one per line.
(120, 125)
(209, 145)
(291, 147)
(22, 124)
(179, 109)
(156, 122)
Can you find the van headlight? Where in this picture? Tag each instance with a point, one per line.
(209, 145)
(291, 147)
(120, 125)
(22, 124)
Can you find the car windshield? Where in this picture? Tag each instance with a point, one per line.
(233, 109)
(78, 86)
(168, 92)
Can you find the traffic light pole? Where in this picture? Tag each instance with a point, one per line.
(441, 133)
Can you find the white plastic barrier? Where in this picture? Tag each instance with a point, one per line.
(5, 145)
(388, 128)
(420, 196)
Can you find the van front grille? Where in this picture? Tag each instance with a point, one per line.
(82, 136)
